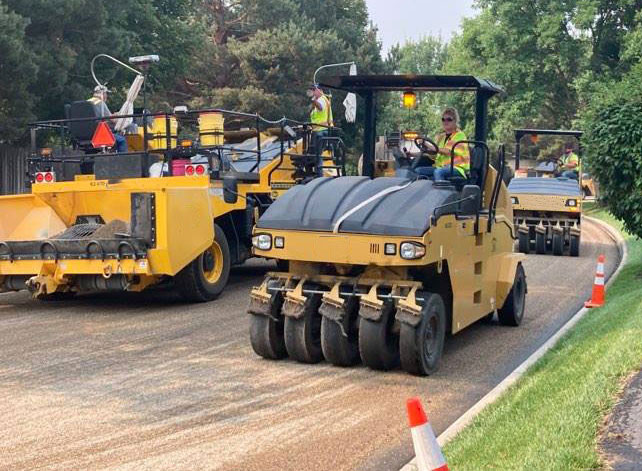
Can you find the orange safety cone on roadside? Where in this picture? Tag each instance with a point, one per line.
(597, 298)
(427, 451)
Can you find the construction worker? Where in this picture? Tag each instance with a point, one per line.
(445, 141)
(99, 100)
(570, 163)
(321, 119)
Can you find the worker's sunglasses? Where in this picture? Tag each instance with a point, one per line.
(444, 120)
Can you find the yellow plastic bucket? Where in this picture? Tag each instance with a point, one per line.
(159, 132)
(210, 126)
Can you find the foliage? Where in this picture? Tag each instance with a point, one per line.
(15, 62)
(62, 36)
(261, 62)
(614, 145)
(425, 56)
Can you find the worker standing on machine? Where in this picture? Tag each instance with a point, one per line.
(321, 119)
(446, 140)
(570, 163)
(99, 100)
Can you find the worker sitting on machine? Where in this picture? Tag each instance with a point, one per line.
(570, 164)
(99, 100)
(446, 140)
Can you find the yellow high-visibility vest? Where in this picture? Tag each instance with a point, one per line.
(462, 152)
(322, 118)
(571, 158)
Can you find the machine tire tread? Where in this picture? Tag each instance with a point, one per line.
(512, 312)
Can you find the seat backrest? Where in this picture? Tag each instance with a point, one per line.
(82, 131)
(478, 166)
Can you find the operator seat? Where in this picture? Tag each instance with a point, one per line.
(477, 173)
(82, 131)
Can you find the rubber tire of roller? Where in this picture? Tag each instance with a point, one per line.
(574, 246)
(540, 243)
(378, 344)
(524, 243)
(512, 312)
(267, 334)
(558, 244)
(303, 335)
(191, 283)
(413, 341)
(337, 348)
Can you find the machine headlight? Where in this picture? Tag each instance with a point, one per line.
(390, 249)
(572, 203)
(411, 250)
(279, 242)
(514, 200)
(262, 241)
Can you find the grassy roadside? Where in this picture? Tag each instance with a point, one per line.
(550, 418)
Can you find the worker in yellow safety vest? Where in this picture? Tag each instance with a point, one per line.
(570, 163)
(99, 100)
(446, 140)
(321, 120)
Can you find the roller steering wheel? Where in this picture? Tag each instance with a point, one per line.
(431, 150)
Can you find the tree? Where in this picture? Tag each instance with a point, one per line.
(423, 57)
(62, 36)
(614, 147)
(18, 69)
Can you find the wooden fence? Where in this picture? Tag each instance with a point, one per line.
(13, 168)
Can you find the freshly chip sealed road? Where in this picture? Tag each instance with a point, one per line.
(146, 382)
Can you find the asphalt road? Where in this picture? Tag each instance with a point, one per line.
(146, 382)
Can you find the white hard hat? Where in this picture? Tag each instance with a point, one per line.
(101, 89)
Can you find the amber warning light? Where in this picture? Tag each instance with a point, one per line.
(409, 99)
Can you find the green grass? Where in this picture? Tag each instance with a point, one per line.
(549, 419)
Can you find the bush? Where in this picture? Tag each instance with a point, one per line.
(614, 150)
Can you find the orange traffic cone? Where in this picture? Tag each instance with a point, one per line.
(597, 298)
(429, 456)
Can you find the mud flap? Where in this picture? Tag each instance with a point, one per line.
(408, 310)
(371, 307)
(294, 302)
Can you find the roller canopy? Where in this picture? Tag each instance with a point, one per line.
(545, 186)
(363, 83)
(318, 205)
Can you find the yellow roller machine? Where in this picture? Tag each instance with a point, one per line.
(547, 208)
(380, 269)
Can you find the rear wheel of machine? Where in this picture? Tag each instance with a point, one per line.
(512, 312)
(340, 343)
(421, 346)
(558, 244)
(206, 276)
(524, 242)
(540, 243)
(303, 335)
(378, 342)
(574, 247)
(266, 332)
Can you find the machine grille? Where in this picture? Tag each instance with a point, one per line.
(374, 248)
(78, 231)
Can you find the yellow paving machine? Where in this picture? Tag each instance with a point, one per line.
(547, 207)
(177, 208)
(381, 269)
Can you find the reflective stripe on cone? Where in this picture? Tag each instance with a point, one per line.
(427, 451)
